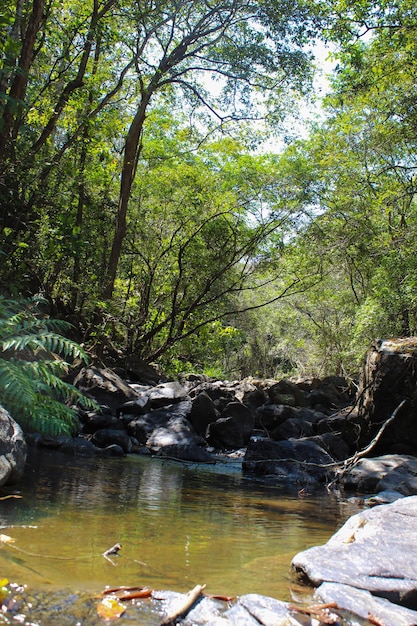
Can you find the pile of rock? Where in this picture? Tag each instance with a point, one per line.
(288, 431)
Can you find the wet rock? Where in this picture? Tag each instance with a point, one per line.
(80, 447)
(365, 605)
(388, 472)
(334, 445)
(375, 550)
(292, 462)
(186, 452)
(12, 449)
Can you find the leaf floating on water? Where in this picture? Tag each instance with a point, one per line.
(4, 590)
(110, 608)
(215, 596)
(129, 593)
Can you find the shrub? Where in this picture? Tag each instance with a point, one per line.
(34, 358)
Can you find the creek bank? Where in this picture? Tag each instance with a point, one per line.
(369, 566)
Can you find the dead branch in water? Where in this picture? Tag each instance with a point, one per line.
(191, 599)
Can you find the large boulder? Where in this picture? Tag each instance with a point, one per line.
(384, 473)
(292, 463)
(12, 449)
(104, 386)
(375, 550)
(388, 377)
(365, 605)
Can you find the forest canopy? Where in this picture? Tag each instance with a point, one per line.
(141, 198)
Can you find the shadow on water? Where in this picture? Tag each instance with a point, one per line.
(178, 524)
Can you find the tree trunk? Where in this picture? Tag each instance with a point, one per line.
(132, 152)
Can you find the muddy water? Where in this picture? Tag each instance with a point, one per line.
(178, 526)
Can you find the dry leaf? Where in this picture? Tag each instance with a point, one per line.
(110, 608)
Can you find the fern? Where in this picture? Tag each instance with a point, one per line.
(33, 360)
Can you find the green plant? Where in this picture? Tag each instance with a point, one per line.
(34, 358)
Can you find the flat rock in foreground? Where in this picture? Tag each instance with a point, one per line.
(375, 550)
(365, 605)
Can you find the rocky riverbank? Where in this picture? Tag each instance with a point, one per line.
(302, 435)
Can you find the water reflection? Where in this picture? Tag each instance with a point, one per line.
(178, 526)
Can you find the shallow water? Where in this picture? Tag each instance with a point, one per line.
(179, 525)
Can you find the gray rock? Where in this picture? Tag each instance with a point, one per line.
(383, 473)
(364, 604)
(104, 386)
(375, 550)
(167, 393)
(12, 449)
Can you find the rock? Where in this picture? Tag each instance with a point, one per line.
(177, 431)
(96, 421)
(242, 416)
(80, 447)
(388, 376)
(225, 433)
(375, 550)
(12, 449)
(166, 394)
(270, 416)
(292, 462)
(203, 413)
(287, 392)
(138, 406)
(110, 436)
(388, 472)
(334, 445)
(292, 428)
(104, 386)
(364, 604)
(186, 452)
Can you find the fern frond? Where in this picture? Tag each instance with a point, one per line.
(32, 363)
(14, 387)
(44, 342)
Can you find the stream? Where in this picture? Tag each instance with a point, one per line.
(178, 525)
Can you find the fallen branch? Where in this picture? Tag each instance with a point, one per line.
(191, 599)
(347, 464)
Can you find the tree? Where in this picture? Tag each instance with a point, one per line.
(246, 45)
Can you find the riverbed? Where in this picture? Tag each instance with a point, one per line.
(178, 525)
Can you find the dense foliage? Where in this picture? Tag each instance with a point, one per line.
(33, 361)
(135, 194)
